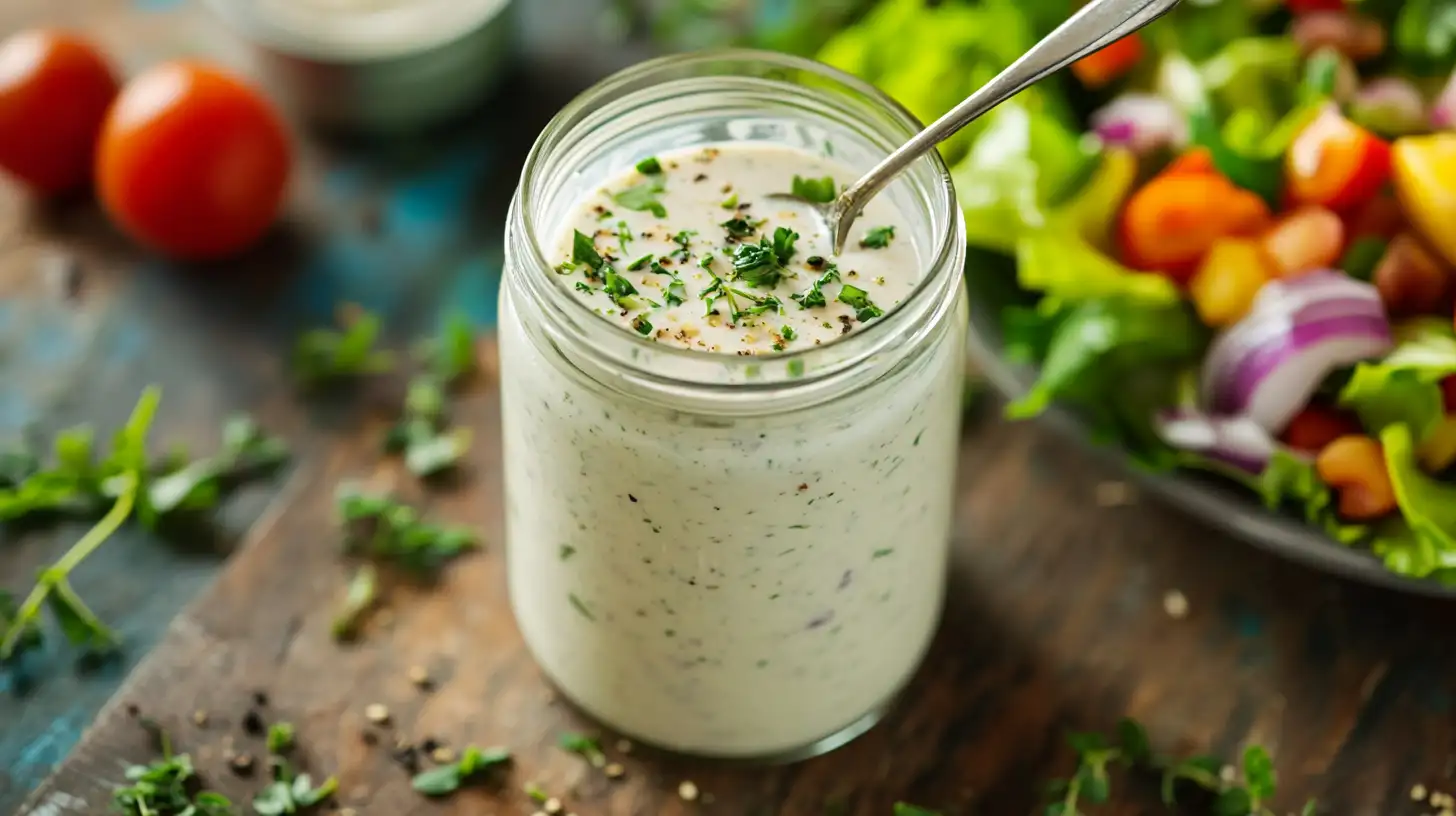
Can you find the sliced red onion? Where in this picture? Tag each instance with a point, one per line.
(1391, 104)
(1140, 122)
(1443, 113)
(1236, 441)
(1268, 365)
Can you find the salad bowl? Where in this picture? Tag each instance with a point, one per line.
(1217, 502)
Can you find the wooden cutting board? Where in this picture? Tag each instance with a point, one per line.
(1055, 621)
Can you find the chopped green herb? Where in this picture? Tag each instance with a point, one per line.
(566, 551)
(581, 606)
(683, 239)
(452, 357)
(280, 737)
(584, 746)
(429, 447)
(731, 202)
(649, 166)
(877, 238)
(761, 304)
(643, 197)
(738, 227)
(581, 286)
(788, 333)
(881, 553)
(584, 251)
(642, 325)
(859, 300)
(535, 793)
(473, 764)
(326, 355)
(757, 264)
(815, 294)
(296, 795)
(566, 267)
(361, 596)
(624, 235)
(676, 292)
(819, 191)
(167, 787)
(618, 288)
(640, 263)
(385, 530)
(783, 244)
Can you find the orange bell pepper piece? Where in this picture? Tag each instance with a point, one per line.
(1335, 163)
(1172, 221)
(1197, 161)
(1112, 62)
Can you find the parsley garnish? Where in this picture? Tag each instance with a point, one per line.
(819, 191)
(624, 235)
(292, 794)
(877, 238)
(166, 788)
(642, 197)
(430, 447)
(649, 166)
(281, 737)
(325, 355)
(783, 244)
(682, 239)
(385, 530)
(815, 295)
(1097, 756)
(581, 286)
(587, 747)
(642, 325)
(859, 300)
(714, 290)
(730, 203)
(788, 333)
(761, 304)
(584, 251)
(126, 483)
(640, 263)
(757, 264)
(738, 227)
(618, 288)
(473, 764)
(676, 292)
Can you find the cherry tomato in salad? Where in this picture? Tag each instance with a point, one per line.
(1100, 68)
(1304, 240)
(1316, 427)
(1335, 163)
(1308, 6)
(1170, 223)
(193, 162)
(55, 88)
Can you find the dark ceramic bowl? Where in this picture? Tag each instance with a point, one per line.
(1222, 505)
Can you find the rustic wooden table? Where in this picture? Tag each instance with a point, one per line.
(1055, 620)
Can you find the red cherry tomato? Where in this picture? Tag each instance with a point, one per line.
(1317, 426)
(1112, 62)
(1335, 163)
(1308, 6)
(55, 88)
(193, 162)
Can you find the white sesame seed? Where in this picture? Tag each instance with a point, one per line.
(1418, 793)
(552, 806)
(199, 717)
(376, 713)
(442, 755)
(1175, 604)
(1229, 773)
(614, 770)
(687, 791)
(419, 676)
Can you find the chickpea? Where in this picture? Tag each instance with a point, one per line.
(1410, 279)
(1358, 38)
(1354, 466)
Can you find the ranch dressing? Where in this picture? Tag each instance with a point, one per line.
(745, 587)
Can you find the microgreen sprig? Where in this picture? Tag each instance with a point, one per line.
(328, 355)
(168, 787)
(473, 764)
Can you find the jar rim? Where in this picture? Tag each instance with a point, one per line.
(874, 338)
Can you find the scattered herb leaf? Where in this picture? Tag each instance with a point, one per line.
(859, 300)
(643, 197)
(649, 166)
(877, 238)
(329, 355)
(819, 191)
(473, 764)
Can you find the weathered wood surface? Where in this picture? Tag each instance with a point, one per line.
(409, 230)
(1055, 621)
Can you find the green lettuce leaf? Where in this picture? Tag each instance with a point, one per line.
(1117, 362)
(1291, 483)
(931, 56)
(1404, 387)
(1428, 507)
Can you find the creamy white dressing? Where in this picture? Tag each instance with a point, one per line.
(699, 210)
(375, 27)
(740, 587)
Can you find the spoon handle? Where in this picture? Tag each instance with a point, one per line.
(1097, 24)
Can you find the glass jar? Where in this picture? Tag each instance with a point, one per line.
(722, 555)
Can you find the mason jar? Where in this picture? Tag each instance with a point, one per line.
(721, 555)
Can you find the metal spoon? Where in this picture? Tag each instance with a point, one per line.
(1097, 24)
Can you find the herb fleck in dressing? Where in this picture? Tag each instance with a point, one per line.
(688, 248)
(728, 586)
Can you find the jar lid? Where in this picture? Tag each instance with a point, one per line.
(356, 30)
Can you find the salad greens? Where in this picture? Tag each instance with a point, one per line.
(1121, 326)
